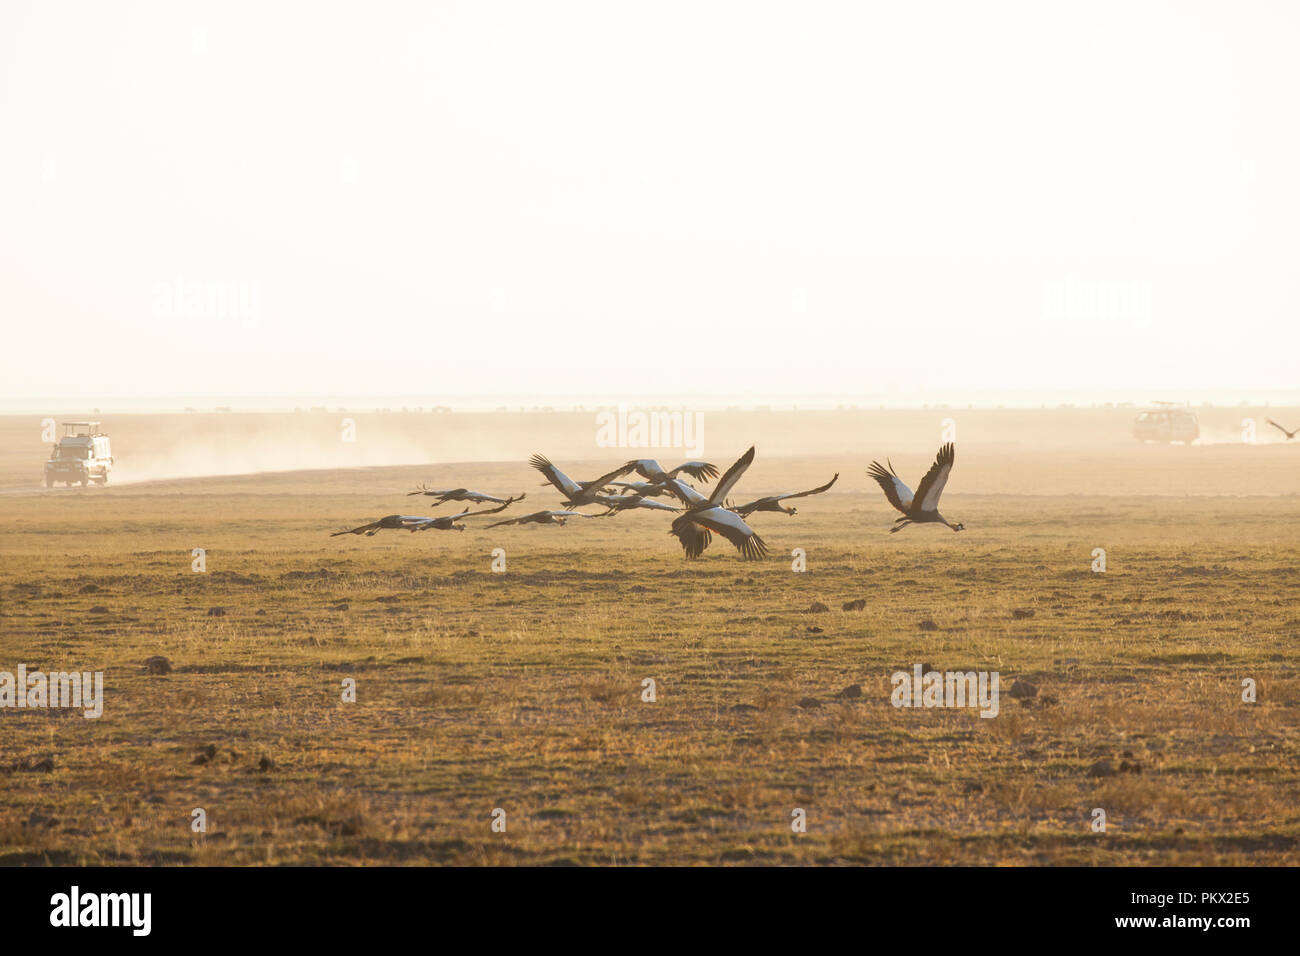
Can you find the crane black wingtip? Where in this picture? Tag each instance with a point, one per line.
(755, 549)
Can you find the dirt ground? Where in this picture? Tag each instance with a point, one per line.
(523, 691)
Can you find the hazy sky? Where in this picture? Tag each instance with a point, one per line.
(606, 198)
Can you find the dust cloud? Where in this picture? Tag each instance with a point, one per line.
(162, 448)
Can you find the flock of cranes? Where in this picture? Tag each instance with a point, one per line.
(698, 516)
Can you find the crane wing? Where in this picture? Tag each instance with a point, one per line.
(931, 486)
(685, 493)
(899, 495)
(732, 527)
(519, 520)
(425, 490)
(645, 467)
(746, 510)
(364, 529)
(723, 487)
(813, 491)
(641, 487)
(478, 497)
(395, 522)
(654, 505)
(422, 523)
(625, 502)
(605, 479)
(490, 511)
(567, 486)
(699, 470)
(694, 538)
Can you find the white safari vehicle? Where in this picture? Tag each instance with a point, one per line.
(82, 455)
(1167, 423)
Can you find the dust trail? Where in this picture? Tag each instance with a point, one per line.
(1237, 436)
(165, 448)
(261, 454)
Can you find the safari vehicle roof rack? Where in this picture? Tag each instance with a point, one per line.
(70, 429)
